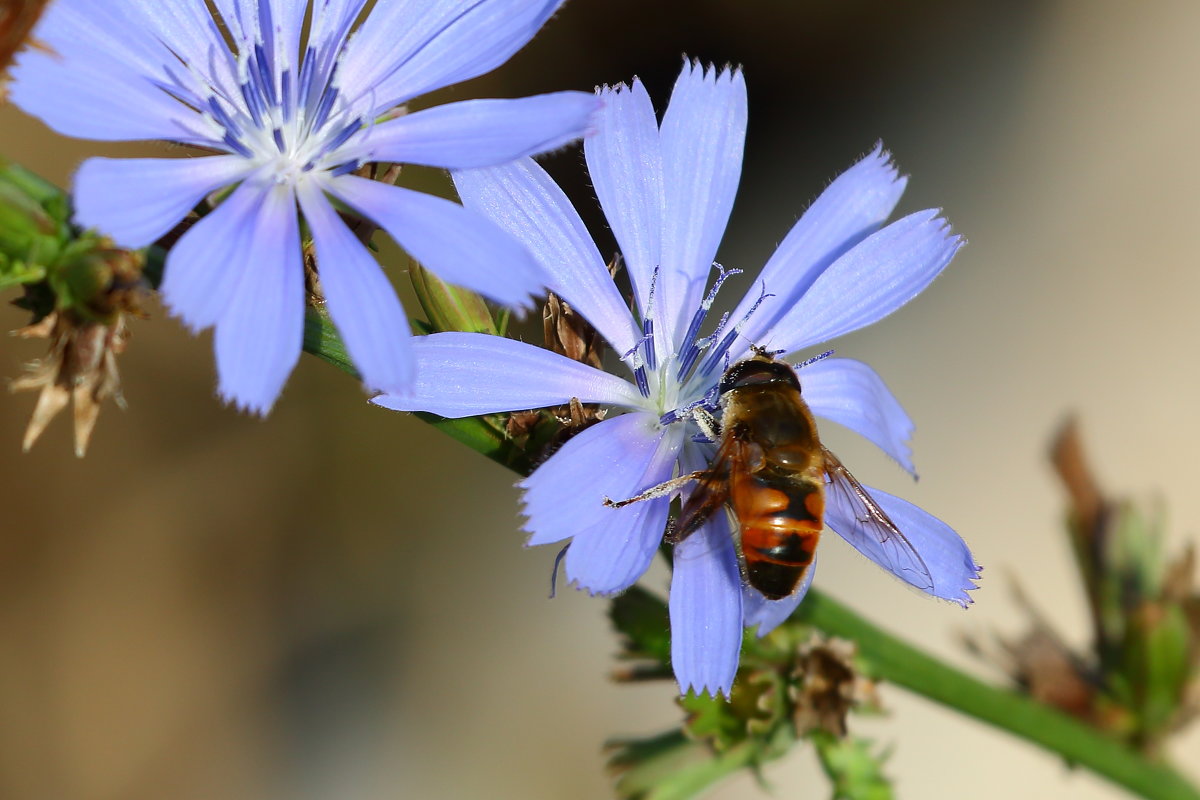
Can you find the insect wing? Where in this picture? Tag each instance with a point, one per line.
(856, 517)
(711, 492)
(705, 500)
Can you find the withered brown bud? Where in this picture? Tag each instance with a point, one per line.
(826, 685)
(98, 291)
(81, 365)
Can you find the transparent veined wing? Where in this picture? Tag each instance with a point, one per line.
(855, 516)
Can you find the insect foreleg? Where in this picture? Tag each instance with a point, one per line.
(663, 489)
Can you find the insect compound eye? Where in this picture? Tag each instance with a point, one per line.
(754, 372)
(730, 380)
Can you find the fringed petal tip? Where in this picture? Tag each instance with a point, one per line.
(953, 567)
(709, 73)
(253, 406)
(939, 225)
(715, 692)
(179, 310)
(969, 585)
(600, 593)
(706, 610)
(882, 159)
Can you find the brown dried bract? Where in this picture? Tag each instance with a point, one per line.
(826, 685)
(85, 340)
(81, 366)
(1042, 664)
(569, 334)
(17, 18)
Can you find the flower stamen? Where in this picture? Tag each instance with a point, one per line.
(720, 354)
(692, 351)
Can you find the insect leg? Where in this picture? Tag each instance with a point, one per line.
(663, 489)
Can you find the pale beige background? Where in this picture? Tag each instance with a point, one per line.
(334, 602)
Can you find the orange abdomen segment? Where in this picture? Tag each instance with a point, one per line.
(780, 528)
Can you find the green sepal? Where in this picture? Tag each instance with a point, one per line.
(1158, 662)
(854, 769)
(670, 766)
(34, 229)
(14, 272)
(36, 188)
(450, 308)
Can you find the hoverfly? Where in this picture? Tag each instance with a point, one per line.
(772, 472)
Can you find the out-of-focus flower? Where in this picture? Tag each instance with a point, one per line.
(290, 118)
(1140, 680)
(667, 191)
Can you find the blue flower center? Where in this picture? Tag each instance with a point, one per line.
(274, 113)
(701, 360)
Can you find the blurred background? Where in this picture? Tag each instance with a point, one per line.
(335, 601)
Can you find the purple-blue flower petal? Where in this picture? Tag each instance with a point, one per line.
(187, 28)
(703, 134)
(467, 374)
(481, 133)
(360, 299)
(706, 609)
(461, 246)
(768, 614)
(565, 495)
(408, 47)
(882, 273)
(951, 570)
(89, 83)
(137, 200)
(522, 199)
(624, 161)
(204, 270)
(259, 333)
(852, 394)
(609, 556)
(850, 209)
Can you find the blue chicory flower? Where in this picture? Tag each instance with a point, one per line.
(288, 118)
(667, 191)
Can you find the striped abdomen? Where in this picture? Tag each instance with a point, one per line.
(781, 514)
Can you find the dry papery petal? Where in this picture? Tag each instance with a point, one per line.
(81, 365)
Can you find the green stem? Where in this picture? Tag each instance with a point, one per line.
(481, 434)
(889, 657)
(900, 663)
(691, 781)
